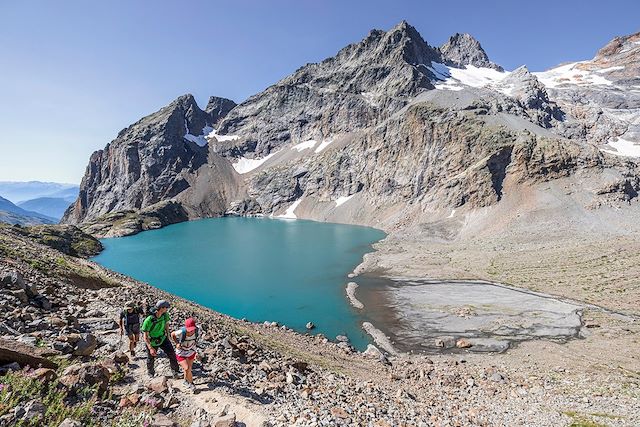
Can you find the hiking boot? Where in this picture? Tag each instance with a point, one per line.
(133, 353)
(189, 386)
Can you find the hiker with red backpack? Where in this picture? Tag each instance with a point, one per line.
(185, 340)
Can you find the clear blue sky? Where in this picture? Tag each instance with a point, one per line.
(73, 73)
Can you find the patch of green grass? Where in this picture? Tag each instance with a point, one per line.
(583, 420)
(19, 388)
(118, 376)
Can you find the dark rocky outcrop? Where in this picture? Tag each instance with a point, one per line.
(25, 355)
(463, 49)
(218, 108)
(152, 161)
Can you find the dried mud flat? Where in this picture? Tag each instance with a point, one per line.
(590, 259)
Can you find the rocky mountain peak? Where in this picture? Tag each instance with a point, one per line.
(363, 83)
(619, 45)
(404, 42)
(531, 94)
(218, 108)
(463, 49)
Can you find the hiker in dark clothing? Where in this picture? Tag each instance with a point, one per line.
(156, 331)
(130, 323)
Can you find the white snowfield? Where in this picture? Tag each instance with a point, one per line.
(324, 144)
(201, 140)
(452, 78)
(606, 70)
(290, 212)
(624, 148)
(221, 138)
(343, 199)
(244, 165)
(568, 73)
(304, 145)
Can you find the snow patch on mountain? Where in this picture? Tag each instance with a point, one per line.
(201, 140)
(221, 138)
(304, 145)
(450, 78)
(623, 147)
(606, 70)
(245, 165)
(569, 74)
(343, 199)
(324, 144)
(290, 212)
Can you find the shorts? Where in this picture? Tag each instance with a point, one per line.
(180, 358)
(133, 329)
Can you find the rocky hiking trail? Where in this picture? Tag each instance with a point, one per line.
(60, 312)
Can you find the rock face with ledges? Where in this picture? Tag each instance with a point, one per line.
(463, 49)
(363, 84)
(218, 108)
(151, 161)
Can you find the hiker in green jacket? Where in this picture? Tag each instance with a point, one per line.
(156, 331)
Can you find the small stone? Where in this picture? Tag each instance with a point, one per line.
(13, 366)
(265, 366)
(290, 378)
(42, 302)
(339, 413)
(228, 420)
(463, 343)
(63, 347)
(497, 377)
(159, 384)
(34, 410)
(45, 375)
(86, 345)
(310, 325)
(68, 422)
(120, 358)
(161, 420)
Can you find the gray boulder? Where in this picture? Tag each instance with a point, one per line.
(86, 345)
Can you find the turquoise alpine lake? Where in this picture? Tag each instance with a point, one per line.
(288, 271)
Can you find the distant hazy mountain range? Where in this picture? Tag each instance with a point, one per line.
(16, 215)
(35, 202)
